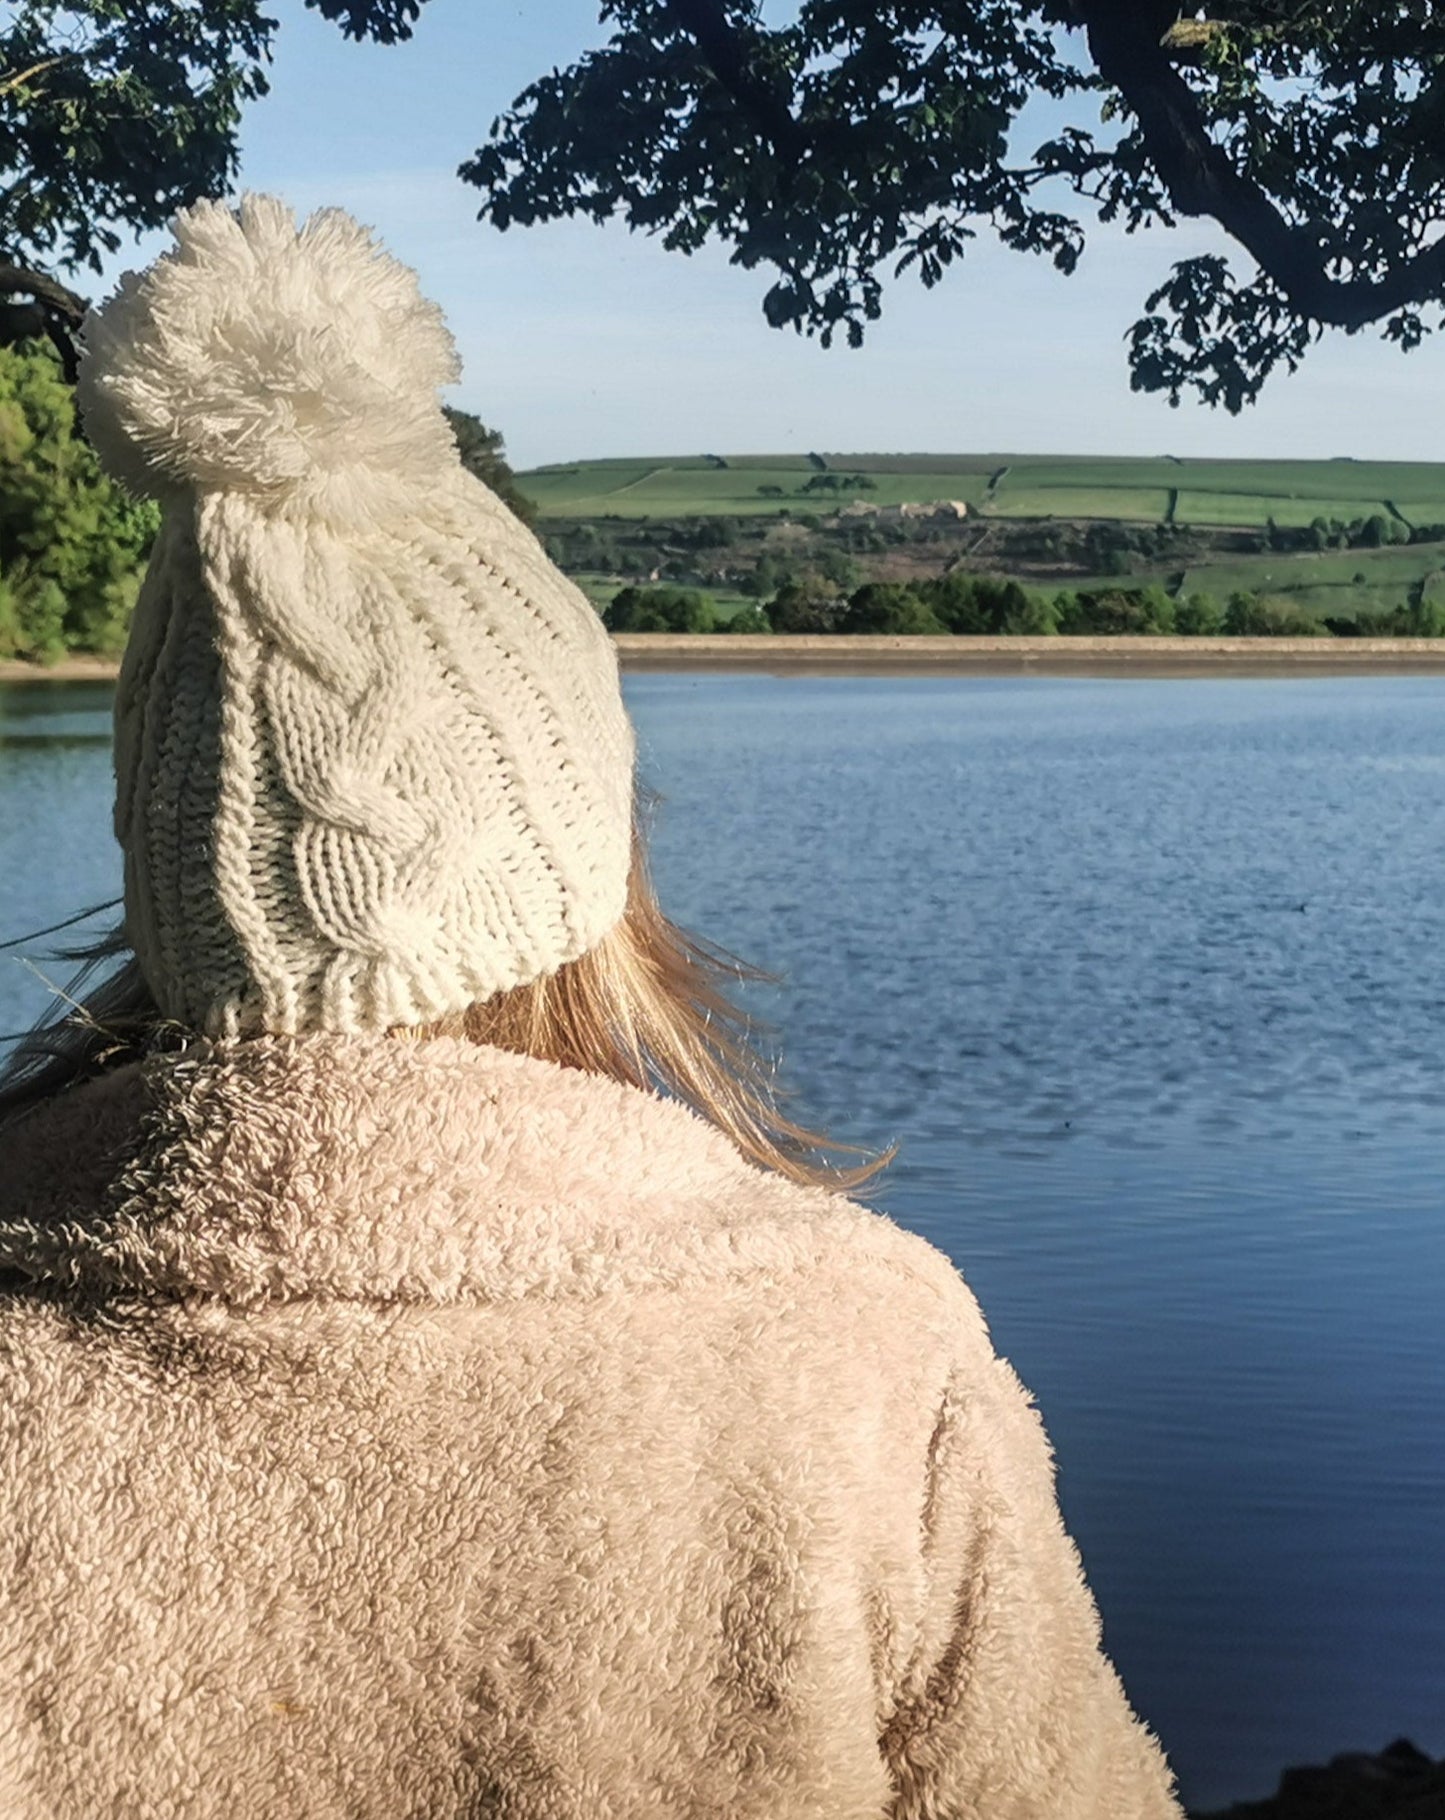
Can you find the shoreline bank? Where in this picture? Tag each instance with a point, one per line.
(830, 654)
(68, 669)
(822, 655)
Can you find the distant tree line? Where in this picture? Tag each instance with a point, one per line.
(681, 549)
(823, 483)
(1369, 533)
(755, 556)
(673, 547)
(677, 610)
(993, 606)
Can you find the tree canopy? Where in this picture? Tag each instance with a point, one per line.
(837, 143)
(72, 545)
(484, 454)
(846, 141)
(113, 114)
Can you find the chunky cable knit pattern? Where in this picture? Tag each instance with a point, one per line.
(371, 755)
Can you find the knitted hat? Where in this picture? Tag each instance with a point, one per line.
(372, 762)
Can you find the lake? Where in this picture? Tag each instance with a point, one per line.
(1147, 981)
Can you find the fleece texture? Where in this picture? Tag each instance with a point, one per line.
(410, 1431)
(372, 761)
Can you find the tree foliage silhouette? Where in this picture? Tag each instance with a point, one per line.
(853, 140)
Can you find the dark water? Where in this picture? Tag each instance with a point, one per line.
(1147, 979)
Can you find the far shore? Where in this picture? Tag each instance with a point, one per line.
(65, 669)
(825, 654)
(787, 655)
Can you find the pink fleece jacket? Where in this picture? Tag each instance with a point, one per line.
(409, 1431)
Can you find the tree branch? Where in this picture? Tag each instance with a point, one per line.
(725, 53)
(19, 78)
(1202, 180)
(48, 292)
(55, 312)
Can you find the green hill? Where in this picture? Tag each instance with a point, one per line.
(1129, 489)
(1348, 544)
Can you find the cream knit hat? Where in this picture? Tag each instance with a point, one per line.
(372, 762)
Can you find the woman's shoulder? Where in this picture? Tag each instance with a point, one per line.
(440, 1172)
(858, 1251)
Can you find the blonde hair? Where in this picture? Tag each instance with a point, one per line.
(647, 1006)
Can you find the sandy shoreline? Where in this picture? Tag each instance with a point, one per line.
(822, 655)
(950, 656)
(69, 669)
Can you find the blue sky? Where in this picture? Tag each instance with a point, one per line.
(580, 341)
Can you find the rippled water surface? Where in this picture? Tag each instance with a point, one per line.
(1147, 980)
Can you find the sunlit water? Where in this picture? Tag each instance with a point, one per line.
(1147, 980)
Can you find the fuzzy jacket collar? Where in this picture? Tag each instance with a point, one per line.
(377, 1169)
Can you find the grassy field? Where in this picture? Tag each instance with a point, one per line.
(1242, 493)
(1051, 522)
(1019, 498)
(1329, 569)
(690, 487)
(1337, 582)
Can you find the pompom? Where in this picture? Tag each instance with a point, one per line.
(291, 364)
